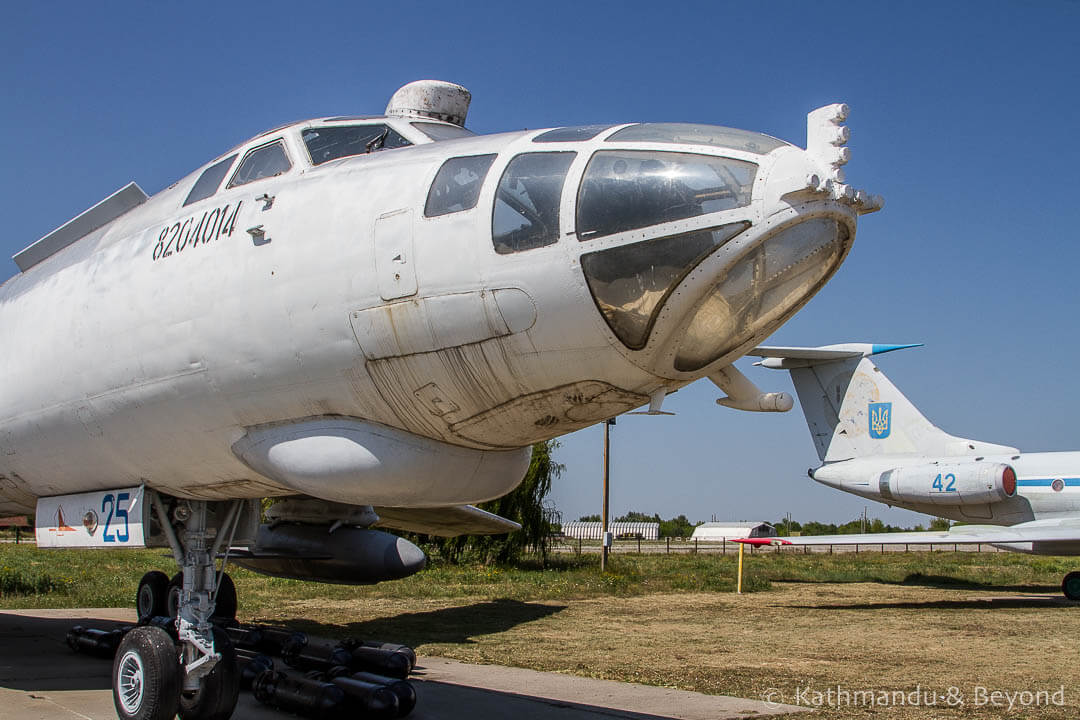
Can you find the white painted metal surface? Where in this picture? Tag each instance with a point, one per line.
(729, 530)
(158, 349)
(97, 519)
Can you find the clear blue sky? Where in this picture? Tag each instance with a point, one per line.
(965, 117)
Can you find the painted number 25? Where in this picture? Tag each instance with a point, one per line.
(117, 508)
(949, 484)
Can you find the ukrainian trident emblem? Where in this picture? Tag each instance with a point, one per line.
(880, 420)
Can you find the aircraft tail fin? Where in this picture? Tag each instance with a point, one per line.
(853, 410)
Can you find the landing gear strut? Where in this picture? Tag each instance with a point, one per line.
(151, 680)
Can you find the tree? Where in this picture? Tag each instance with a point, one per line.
(940, 524)
(524, 505)
(676, 527)
(589, 518)
(634, 516)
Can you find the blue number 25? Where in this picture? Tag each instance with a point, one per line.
(118, 509)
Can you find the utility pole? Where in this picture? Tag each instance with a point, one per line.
(604, 517)
(864, 519)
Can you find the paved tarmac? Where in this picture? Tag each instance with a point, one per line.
(41, 679)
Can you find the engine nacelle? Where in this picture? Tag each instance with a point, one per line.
(343, 556)
(971, 483)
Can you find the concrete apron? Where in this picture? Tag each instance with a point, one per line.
(41, 679)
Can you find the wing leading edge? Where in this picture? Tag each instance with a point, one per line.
(1063, 530)
(449, 521)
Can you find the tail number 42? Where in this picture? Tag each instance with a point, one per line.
(944, 484)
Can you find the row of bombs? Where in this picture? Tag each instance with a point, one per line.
(321, 679)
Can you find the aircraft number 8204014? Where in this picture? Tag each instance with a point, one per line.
(940, 486)
(211, 226)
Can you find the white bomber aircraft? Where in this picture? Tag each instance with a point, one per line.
(873, 442)
(376, 317)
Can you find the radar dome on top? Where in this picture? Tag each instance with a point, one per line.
(431, 99)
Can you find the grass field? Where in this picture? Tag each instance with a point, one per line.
(891, 623)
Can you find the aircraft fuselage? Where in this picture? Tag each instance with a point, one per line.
(345, 292)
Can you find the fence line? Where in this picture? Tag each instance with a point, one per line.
(694, 546)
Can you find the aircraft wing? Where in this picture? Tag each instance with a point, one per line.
(1064, 530)
(449, 521)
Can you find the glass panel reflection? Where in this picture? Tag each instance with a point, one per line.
(694, 134)
(768, 282)
(629, 283)
(629, 189)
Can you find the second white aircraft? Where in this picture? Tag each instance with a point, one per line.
(873, 442)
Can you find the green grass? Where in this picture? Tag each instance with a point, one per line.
(108, 578)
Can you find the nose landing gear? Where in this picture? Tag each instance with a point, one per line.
(197, 677)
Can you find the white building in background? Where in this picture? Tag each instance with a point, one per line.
(594, 530)
(719, 531)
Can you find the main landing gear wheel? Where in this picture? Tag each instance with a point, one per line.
(216, 697)
(225, 606)
(1071, 586)
(146, 676)
(150, 600)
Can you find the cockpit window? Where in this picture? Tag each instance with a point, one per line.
(332, 142)
(631, 189)
(208, 182)
(527, 201)
(438, 131)
(630, 282)
(262, 162)
(691, 134)
(457, 186)
(571, 134)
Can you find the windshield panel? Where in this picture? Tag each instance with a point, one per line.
(209, 181)
(630, 282)
(571, 134)
(457, 185)
(773, 279)
(333, 142)
(630, 189)
(526, 214)
(438, 131)
(692, 134)
(262, 162)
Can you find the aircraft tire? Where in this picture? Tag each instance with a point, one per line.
(150, 599)
(1071, 585)
(146, 675)
(218, 692)
(172, 595)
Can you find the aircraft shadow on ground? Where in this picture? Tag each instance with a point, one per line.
(941, 582)
(34, 656)
(458, 625)
(975, 604)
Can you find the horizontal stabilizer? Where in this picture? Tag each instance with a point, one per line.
(120, 202)
(449, 521)
(785, 358)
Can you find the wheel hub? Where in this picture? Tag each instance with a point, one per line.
(130, 682)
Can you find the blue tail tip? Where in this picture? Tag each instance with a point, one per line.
(879, 349)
